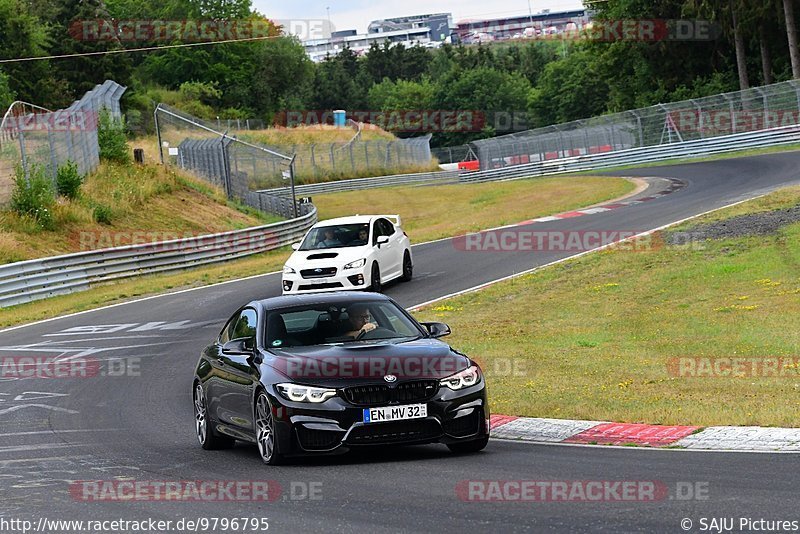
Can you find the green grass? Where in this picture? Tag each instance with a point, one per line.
(433, 212)
(592, 338)
(119, 204)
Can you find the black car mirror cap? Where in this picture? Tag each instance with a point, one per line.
(437, 329)
(241, 346)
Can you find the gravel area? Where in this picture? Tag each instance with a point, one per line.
(744, 225)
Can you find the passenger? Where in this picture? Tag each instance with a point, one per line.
(363, 235)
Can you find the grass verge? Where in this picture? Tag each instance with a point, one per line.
(433, 212)
(126, 204)
(598, 337)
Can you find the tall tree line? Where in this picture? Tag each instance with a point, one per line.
(546, 82)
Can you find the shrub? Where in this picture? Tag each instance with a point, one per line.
(33, 196)
(102, 214)
(111, 138)
(69, 180)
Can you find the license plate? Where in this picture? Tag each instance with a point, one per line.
(395, 413)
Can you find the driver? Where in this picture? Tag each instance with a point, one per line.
(358, 321)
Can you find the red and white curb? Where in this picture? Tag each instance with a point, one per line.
(542, 430)
(675, 185)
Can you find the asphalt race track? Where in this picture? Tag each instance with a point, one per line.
(139, 425)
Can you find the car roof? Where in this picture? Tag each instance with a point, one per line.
(339, 297)
(352, 219)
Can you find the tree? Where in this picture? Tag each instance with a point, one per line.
(491, 96)
(67, 36)
(281, 74)
(569, 89)
(791, 35)
(7, 96)
(21, 36)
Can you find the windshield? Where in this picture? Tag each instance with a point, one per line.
(341, 235)
(353, 322)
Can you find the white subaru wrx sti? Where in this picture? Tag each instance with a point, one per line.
(359, 252)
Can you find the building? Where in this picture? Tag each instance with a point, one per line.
(431, 30)
(520, 26)
(407, 23)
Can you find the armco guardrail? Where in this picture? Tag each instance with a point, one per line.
(58, 275)
(440, 177)
(637, 156)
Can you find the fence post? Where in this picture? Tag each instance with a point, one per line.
(765, 111)
(158, 135)
(23, 155)
(291, 179)
(53, 161)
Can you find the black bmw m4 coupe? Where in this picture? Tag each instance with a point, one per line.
(328, 373)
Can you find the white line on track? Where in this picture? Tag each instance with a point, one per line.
(38, 432)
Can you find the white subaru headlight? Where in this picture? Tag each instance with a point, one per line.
(464, 379)
(298, 393)
(288, 270)
(355, 264)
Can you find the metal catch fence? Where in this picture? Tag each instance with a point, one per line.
(31, 135)
(755, 109)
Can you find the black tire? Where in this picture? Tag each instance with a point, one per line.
(375, 279)
(408, 267)
(206, 435)
(266, 439)
(469, 446)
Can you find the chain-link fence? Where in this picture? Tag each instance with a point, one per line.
(31, 135)
(240, 168)
(754, 109)
(361, 158)
(257, 166)
(454, 154)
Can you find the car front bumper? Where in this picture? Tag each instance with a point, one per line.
(336, 426)
(349, 280)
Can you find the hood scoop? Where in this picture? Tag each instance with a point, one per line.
(322, 256)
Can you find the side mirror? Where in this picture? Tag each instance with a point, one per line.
(437, 329)
(239, 347)
(295, 246)
(382, 239)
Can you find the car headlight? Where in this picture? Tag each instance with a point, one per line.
(464, 379)
(288, 270)
(355, 264)
(298, 393)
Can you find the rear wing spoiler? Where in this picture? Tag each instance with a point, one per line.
(394, 218)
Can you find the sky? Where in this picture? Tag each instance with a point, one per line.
(357, 14)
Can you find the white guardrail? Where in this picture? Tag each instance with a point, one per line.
(31, 280)
(353, 184)
(637, 156)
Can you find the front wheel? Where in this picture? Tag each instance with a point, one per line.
(208, 439)
(375, 279)
(408, 267)
(265, 432)
(469, 446)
